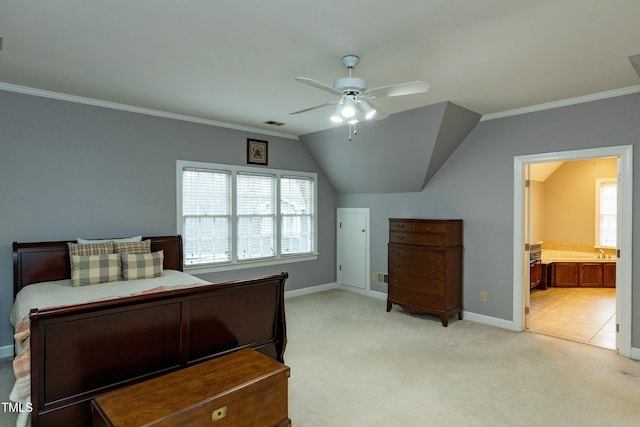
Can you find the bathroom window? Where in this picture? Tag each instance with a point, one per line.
(606, 212)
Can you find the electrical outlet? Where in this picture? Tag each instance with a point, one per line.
(483, 296)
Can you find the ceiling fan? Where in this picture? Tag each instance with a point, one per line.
(353, 104)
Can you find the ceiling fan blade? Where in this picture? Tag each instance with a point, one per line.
(313, 108)
(318, 85)
(400, 89)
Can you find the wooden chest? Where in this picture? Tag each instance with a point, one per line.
(425, 266)
(244, 388)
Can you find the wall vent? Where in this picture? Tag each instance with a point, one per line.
(380, 277)
(274, 123)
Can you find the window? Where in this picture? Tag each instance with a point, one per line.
(296, 214)
(230, 216)
(256, 195)
(606, 212)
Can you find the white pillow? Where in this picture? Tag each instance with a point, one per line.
(123, 240)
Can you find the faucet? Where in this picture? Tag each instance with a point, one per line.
(601, 254)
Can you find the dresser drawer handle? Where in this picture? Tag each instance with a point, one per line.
(401, 238)
(219, 413)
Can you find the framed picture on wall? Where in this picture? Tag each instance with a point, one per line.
(257, 152)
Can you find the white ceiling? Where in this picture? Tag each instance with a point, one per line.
(542, 171)
(235, 61)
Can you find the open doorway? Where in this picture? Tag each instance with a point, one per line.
(572, 225)
(521, 290)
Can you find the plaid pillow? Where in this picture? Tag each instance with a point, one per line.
(143, 247)
(92, 269)
(142, 266)
(91, 248)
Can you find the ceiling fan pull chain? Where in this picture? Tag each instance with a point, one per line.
(352, 130)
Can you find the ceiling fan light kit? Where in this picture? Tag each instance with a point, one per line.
(353, 105)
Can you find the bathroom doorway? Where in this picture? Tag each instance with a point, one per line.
(527, 301)
(564, 220)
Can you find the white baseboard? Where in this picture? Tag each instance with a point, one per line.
(488, 320)
(6, 351)
(310, 290)
(635, 353)
(369, 293)
(334, 285)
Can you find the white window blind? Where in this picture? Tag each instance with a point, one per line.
(256, 195)
(231, 216)
(606, 212)
(206, 215)
(296, 210)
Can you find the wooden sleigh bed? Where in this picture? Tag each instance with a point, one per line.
(79, 352)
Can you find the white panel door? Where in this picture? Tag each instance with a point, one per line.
(353, 247)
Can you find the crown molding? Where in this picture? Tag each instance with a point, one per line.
(563, 103)
(151, 112)
(133, 109)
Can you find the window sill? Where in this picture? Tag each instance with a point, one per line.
(240, 265)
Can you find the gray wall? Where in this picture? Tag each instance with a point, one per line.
(476, 184)
(70, 170)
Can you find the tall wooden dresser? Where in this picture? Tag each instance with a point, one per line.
(425, 266)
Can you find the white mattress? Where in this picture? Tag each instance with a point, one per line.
(62, 292)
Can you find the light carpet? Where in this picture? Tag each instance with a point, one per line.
(354, 364)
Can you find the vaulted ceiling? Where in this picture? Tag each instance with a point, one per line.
(234, 62)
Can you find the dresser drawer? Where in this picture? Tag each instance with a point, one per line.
(400, 252)
(399, 225)
(417, 299)
(428, 239)
(417, 267)
(417, 262)
(419, 284)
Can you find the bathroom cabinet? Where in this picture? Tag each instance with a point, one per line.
(535, 273)
(590, 275)
(565, 274)
(609, 275)
(584, 274)
(425, 266)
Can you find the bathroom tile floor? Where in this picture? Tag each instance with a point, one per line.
(586, 315)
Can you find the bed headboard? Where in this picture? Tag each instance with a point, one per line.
(44, 261)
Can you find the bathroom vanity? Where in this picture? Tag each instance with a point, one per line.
(592, 274)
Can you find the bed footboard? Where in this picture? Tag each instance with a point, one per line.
(80, 352)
